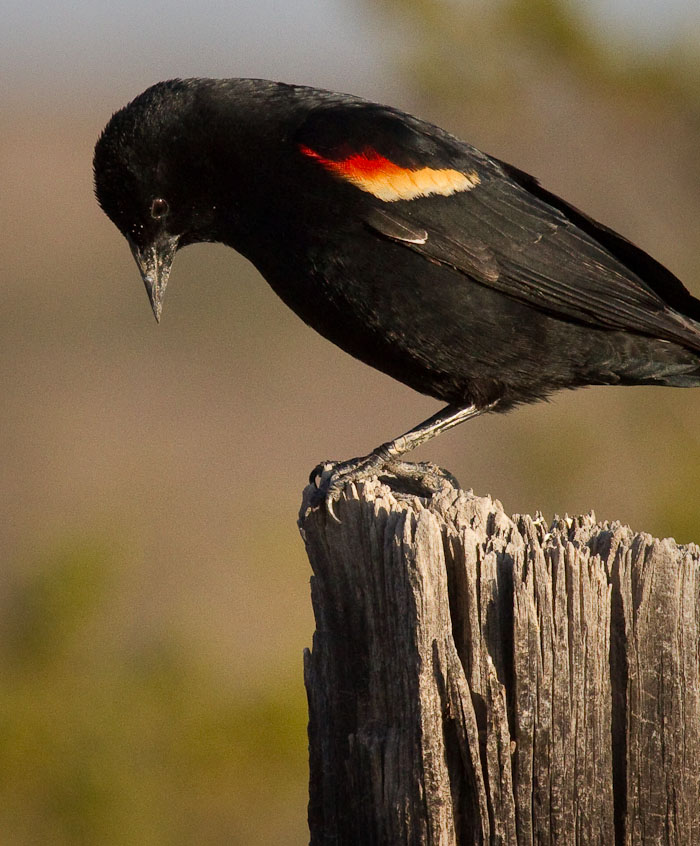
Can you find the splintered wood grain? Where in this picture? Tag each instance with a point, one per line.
(660, 606)
(480, 679)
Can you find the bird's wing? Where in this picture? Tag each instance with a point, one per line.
(493, 223)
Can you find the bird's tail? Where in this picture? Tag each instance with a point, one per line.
(650, 361)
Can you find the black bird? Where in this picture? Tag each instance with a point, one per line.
(452, 271)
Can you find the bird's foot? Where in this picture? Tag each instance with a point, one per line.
(330, 477)
(420, 478)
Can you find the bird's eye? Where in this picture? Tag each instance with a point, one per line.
(159, 208)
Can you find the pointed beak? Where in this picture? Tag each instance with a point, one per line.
(155, 261)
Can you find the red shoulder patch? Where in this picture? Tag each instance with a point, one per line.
(387, 181)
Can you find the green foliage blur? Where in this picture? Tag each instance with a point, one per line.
(111, 741)
(466, 50)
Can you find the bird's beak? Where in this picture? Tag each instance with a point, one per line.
(155, 261)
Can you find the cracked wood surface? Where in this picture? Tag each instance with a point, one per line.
(476, 678)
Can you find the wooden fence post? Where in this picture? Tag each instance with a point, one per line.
(476, 678)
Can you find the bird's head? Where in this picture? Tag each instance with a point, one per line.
(149, 184)
(213, 160)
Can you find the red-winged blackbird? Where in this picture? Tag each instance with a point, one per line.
(452, 271)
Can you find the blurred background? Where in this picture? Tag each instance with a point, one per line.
(154, 599)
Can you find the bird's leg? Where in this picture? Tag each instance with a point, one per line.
(333, 476)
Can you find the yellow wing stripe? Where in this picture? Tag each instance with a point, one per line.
(387, 181)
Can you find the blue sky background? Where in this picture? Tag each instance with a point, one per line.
(84, 49)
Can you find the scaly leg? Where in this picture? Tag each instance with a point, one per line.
(333, 476)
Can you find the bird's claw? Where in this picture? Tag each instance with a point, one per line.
(331, 477)
(316, 475)
(322, 477)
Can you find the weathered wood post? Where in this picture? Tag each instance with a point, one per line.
(481, 679)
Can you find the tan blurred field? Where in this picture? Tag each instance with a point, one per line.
(158, 470)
